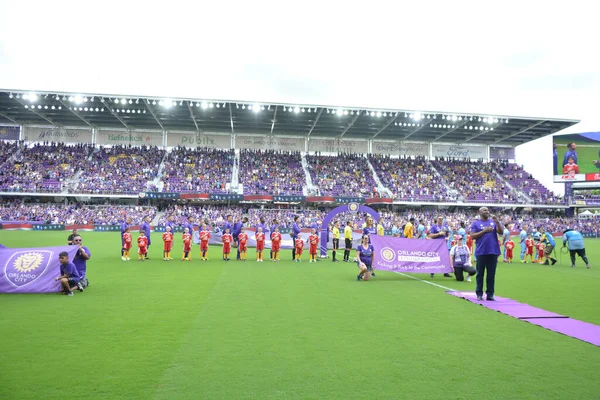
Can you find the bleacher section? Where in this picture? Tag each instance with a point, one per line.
(271, 172)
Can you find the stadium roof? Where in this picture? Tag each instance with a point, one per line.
(198, 115)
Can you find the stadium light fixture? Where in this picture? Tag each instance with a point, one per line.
(340, 112)
(205, 105)
(53, 107)
(378, 114)
(345, 112)
(333, 111)
(85, 109)
(256, 108)
(262, 108)
(85, 99)
(328, 111)
(372, 113)
(10, 96)
(167, 103)
(137, 101)
(284, 109)
(97, 109)
(297, 110)
(417, 116)
(32, 97)
(303, 110)
(26, 106)
(60, 107)
(210, 105)
(123, 101)
(153, 102)
(506, 121)
(243, 106)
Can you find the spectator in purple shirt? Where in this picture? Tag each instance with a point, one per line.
(69, 276)
(485, 231)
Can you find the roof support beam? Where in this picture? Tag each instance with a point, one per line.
(315, 123)
(386, 126)
(418, 129)
(154, 115)
(512, 134)
(230, 117)
(274, 119)
(75, 113)
(193, 116)
(450, 131)
(109, 108)
(350, 124)
(38, 114)
(9, 118)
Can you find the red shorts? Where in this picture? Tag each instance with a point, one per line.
(509, 253)
(313, 249)
(243, 246)
(127, 246)
(530, 251)
(275, 247)
(227, 248)
(187, 248)
(204, 246)
(298, 251)
(260, 246)
(540, 253)
(168, 246)
(142, 250)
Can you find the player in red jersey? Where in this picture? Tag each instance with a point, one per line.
(470, 244)
(187, 245)
(227, 240)
(313, 240)
(299, 245)
(540, 248)
(243, 244)
(167, 238)
(510, 245)
(571, 168)
(275, 244)
(127, 239)
(204, 238)
(142, 246)
(260, 244)
(529, 246)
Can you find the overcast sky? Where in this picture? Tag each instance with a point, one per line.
(525, 58)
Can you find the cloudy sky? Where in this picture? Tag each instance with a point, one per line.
(533, 58)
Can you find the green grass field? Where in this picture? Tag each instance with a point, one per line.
(217, 330)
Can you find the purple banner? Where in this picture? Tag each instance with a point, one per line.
(9, 132)
(411, 255)
(502, 153)
(31, 270)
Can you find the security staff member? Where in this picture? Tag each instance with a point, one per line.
(336, 239)
(574, 240)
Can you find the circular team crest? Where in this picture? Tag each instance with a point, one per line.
(3, 131)
(353, 207)
(387, 254)
(28, 262)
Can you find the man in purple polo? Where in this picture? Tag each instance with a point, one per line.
(80, 260)
(485, 231)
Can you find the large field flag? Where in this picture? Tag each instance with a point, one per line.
(31, 270)
(411, 255)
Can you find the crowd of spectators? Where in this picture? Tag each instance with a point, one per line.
(41, 167)
(271, 172)
(120, 169)
(199, 170)
(527, 184)
(345, 175)
(409, 179)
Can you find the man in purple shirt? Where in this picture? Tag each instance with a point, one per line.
(69, 276)
(80, 260)
(146, 228)
(485, 232)
(126, 224)
(439, 231)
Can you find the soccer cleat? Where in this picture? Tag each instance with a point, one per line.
(123, 258)
(447, 275)
(479, 298)
(554, 261)
(588, 266)
(70, 294)
(468, 278)
(358, 277)
(79, 286)
(490, 298)
(373, 274)
(572, 266)
(431, 275)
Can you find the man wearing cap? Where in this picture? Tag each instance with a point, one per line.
(549, 243)
(574, 240)
(460, 260)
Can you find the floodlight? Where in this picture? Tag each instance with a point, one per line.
(297, 110)
(204, 105)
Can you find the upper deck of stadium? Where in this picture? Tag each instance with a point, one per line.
(134, 113)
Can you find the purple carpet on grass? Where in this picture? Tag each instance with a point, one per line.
(559, 323)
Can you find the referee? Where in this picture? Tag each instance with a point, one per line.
(574, 239)
(336, 239)
(348, 239)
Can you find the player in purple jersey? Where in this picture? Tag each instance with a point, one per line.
(365, 254)
(439, 231)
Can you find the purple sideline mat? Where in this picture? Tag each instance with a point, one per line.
(559, 323)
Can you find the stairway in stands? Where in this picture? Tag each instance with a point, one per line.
(385, 192)
(235, 173)
(157, 182)
(157, 218)
(309, 189)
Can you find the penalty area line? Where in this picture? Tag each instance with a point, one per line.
(424, 281)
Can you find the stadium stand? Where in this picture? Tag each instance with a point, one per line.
(271, 172)
(342, 175)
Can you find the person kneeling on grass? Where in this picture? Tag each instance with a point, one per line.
(69, 276)
(460, 260)
(363, 270)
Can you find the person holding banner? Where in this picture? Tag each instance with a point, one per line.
(460, 260)
(485, 232)
(365, 253)
(69, 276)
(439, 231)
(80, 260)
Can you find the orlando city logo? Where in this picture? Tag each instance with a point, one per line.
(387, 254)
(353, 207)
(25, 267)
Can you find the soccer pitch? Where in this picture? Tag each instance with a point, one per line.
(248, 330)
